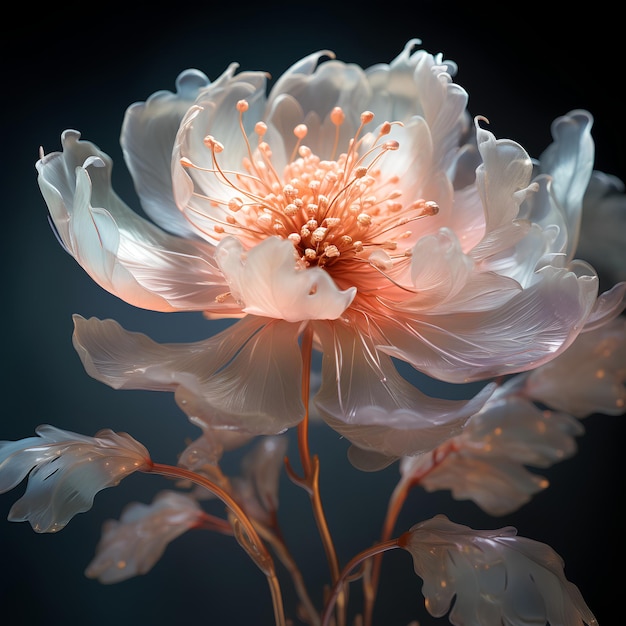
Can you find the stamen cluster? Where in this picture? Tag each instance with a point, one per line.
(332, 210)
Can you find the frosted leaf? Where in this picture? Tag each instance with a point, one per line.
(210, 446)
(493, 576)
(65, 471)
(589, 377)
(257, 487)
(132, 545)
(486, 462)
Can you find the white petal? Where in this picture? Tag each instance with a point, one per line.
(365, 399)
(147, 139)
(569, 162)
(603, 226)
(199, 192)
(502, 178)
(526, 331)
(122, 252)
(265, 281)
(247, 377)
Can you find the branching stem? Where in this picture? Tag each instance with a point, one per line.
(244, 530)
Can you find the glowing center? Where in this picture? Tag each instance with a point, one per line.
(332, 210)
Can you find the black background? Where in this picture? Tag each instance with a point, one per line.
(80, 68)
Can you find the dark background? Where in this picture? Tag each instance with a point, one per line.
(80, 68)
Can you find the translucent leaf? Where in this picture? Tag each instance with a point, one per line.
(65, 471)
(257, 487)
(132, 545)
(493, 576)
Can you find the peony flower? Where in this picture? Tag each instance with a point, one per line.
(65, 471)
(496, 577)
(357, 211)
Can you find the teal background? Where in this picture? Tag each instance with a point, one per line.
(80, 68)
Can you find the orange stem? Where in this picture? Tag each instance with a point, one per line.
(354, 562)
(249, 539)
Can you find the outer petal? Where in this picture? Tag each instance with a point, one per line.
(147, 139)
(527, 330)
(247, 377)
(603, 226)
(65, 471)
(121, 251)
(365, 399)
(265, 281)
(569, 161)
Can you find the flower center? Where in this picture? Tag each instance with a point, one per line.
(331, 210)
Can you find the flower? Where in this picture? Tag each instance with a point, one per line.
(496, 576)
(356, 211)
(65, 471)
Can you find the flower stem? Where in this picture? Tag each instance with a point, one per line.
(354, 562)
(396, 502)
(286, 559)
(243, 529)
(311, 466)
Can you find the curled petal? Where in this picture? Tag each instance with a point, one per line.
(132, 546)
(364, 398)
(122, 252)
(245, 378)
(496, 576)
(147, 137)
(569, 162)
(65, 471)
(265, 281)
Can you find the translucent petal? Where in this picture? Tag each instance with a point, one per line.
(147, 139)
(365, 399)
(245, 378)
(265, 281)
(122, 252)
(496, 577)
(133, 545)
(65, 471)
(569, 162)
(529, 329)
(601, 240)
